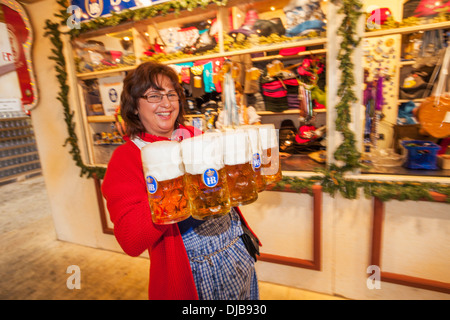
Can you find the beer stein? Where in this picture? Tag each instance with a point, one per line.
(164, 176)
(256, 153)
(278, 65)
(271, 167)
(206, 179)
(238, 163)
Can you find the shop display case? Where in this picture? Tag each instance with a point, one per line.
(348, 201)
(18, 151)
(401, 68)
(279, 45)
(258, 37)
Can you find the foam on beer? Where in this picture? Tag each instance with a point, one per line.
(202, 152)
(253, 138)
(162, 160)
(268, 136)
(235, 147)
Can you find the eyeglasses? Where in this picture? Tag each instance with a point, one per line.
(157, 97)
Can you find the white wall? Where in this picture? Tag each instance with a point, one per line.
(73, 199)
(415, 242)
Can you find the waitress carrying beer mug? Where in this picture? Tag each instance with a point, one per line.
(189, 258)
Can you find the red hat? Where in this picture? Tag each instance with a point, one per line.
(305, 134)
(428, 8)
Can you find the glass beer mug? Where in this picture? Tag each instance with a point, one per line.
(238, 163)
(271, 168)
(164, 176)
(206, 179)
(256, 154)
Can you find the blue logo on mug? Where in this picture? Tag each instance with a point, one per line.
(256, 161)
(210, 177)
(152, 184)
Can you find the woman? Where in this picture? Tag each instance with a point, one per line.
(191, 259)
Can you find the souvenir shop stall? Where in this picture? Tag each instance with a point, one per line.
(18, 95)
(357, 90)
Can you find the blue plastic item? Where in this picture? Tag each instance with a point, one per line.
(421, 154)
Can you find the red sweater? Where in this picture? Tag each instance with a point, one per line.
(125, 192)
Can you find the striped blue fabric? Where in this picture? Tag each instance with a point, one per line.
(220, 263)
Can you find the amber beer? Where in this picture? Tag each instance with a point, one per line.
(164, 176)
(271, 168)
(256, 152)
(238, 163)
(206, 179)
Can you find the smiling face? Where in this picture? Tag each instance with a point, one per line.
(159, 118)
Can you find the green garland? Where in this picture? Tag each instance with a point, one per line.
(143, 13)
(332, 179)
(347, 152)
(58, 57)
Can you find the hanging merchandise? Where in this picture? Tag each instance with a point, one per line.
(373, 102)
(419, 83)
(434, 112)
(196, 81)
(292, 87)
(309, 71)
(231, 115)
(211, 69)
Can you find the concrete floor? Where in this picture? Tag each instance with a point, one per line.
(33, 263)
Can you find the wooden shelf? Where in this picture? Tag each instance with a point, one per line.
(103, 119)
(103, 73)
(100, 119)
(291, 111)
(406, 30)
(274, 47)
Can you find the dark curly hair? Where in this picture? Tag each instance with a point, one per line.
(136, 83)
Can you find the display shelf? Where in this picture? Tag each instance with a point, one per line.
(106, 119)
(410, 29)
(292, 111)
(144, 36)
(18, 151)
(100, 119)
(300, 54)
(258, 49)
(407, 100)
(103, 73)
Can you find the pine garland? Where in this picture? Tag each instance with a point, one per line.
(332, 179)
(347, 152)
(142, 14)
(57, 55)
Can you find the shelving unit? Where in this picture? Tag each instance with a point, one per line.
(313, 46)
(18, 151)
(392, 97)
(144, 31)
